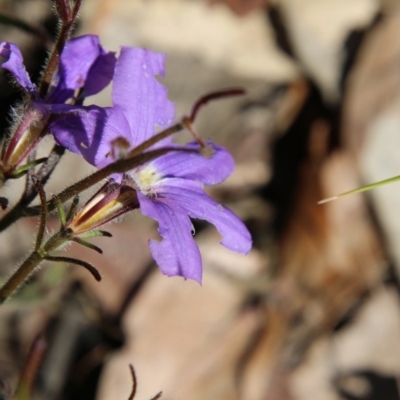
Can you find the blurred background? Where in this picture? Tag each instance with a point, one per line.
(313, 311)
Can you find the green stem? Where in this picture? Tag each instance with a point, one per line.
(20, 275)
(29, 265)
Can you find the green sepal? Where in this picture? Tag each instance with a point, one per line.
(87, 244)
(23, 169)
(75, 261)
(95, 233)
(71, 211)
(60, 211)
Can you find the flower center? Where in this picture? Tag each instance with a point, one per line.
(146, 178)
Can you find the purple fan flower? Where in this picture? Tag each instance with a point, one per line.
(84, 64)
(85, 68)
(170, 188)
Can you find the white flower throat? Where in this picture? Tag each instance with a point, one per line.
(145, 178)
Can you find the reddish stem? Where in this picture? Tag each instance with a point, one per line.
(214, 96)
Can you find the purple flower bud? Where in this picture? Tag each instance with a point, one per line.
(111, 201)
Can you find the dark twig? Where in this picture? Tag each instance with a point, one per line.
(214, 96)
(134, 386)
(26, 27)
(29, 185)
(48, 167)
(157, 396)
(134, 382)
(3, 203)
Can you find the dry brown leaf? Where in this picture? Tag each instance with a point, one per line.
(374, 81)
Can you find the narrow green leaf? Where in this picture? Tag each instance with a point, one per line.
(23, 169)
(94, 233)
(87, 244)
(362, 189)
(75, 261)
(60, 211)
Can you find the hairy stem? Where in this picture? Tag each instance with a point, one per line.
(20, 275)
(28, 266)
(67, 19)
